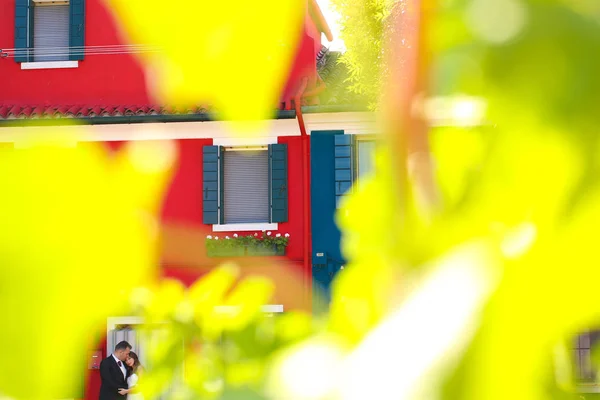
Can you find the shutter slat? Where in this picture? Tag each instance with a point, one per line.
(21, 30)
(278, 156)
(210, 184)
(51, 33)
(343, 153)
(76, 29)
(245, 186)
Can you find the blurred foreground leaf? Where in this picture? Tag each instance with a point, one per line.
(232, 55)
(76, 223)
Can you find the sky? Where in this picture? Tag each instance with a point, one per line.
(332, 19)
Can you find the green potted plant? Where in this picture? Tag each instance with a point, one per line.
(224, 247)
(266, 244)
(269, 244)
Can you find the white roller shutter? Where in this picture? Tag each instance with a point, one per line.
(246, 186)
(51, 32)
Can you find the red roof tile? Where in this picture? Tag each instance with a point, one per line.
(92, 111)
(13, 112)
(37, 112)
(142, 110)
(25, 112)
(49, 112)
(8, 111)
(73, 111)
(107, 111)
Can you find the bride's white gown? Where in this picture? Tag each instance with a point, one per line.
(131, 382)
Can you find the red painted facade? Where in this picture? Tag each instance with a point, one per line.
(108, 79)
(119, 80)
(185, 257)
(99, 80)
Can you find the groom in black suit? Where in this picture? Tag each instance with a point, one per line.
(114, 373)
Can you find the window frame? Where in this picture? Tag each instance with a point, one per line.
(371, 137)
(258, 143)
(43, 4)
(247, 226)
(28, 63)
(353, 142)
(585, 386)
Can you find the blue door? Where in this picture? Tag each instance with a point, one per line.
(326, 255)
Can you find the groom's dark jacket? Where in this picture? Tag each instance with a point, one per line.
(112, 380)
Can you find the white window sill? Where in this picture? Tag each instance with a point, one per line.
(261, 226)
(49, 64)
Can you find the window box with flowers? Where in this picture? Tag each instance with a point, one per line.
(267, 244)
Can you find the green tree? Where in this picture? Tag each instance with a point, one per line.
(362, 27)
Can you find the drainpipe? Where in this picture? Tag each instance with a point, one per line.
(305, 180)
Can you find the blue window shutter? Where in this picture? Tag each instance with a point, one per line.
(76, 29)
(278, 169)
(22, 17)
(344, 165)
(221, 186)
(211, 159)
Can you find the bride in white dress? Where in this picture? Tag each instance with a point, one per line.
(134, 370)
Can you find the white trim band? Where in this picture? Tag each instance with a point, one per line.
(245, 141)
(352, 123)
(216, 130)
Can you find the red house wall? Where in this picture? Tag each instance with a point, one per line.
(187, 261)
(119, 80)
(93, 381)
(99, 80)
(105, 80)
(301, 68)
(186, 258)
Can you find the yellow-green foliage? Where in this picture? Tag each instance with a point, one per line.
(362, 28)
(477, 298)
(74, 222)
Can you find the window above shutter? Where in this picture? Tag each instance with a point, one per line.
(50, 32)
